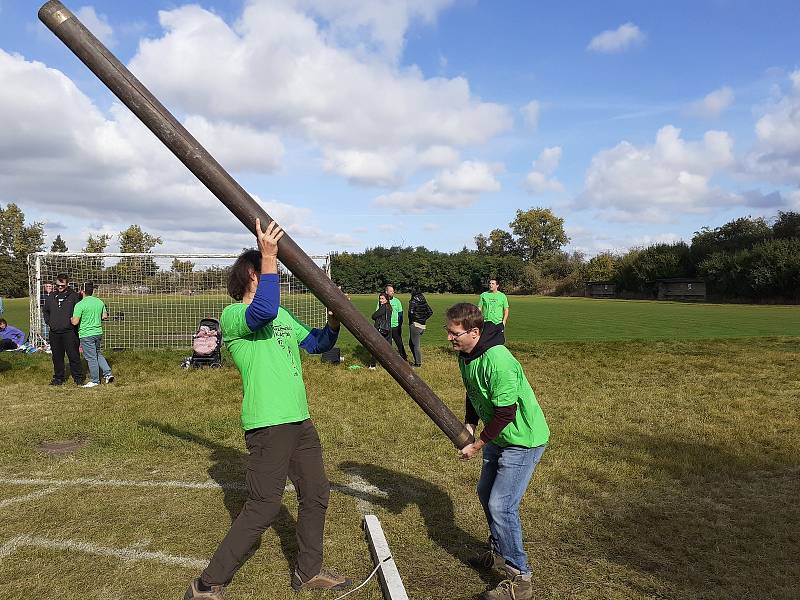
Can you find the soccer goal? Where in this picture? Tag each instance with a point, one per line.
(156, 300)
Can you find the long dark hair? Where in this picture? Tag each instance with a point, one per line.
(249, 262)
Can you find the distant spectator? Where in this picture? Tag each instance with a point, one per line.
(2, 310)
(11, 338)
(494, 304)
(58, 308)
(419, 311)
(383, 321)
(89, 314)
(397, 321)
(47, 289)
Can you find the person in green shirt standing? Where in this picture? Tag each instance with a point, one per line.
(494, 304)
(264, 340)
(89, 314)
(512, 441)
(396, 333)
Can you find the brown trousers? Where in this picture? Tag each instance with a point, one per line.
(293, 450)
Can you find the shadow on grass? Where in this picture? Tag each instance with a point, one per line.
(362, 355)
(228, 470)
(698, 521)
(4, 366)
(433, 503)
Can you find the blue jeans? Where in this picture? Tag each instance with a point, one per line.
(505, 475)
(93, 353)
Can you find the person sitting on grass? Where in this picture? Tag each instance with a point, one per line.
(11, 338)
(513, 441)
(264, 340)
(88, 315)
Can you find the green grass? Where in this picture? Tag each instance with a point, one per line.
(672, 472)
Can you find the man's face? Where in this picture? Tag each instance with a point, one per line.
(390, 290)
(462, 340)
(61, 285)
(493, 285)
(48, 287)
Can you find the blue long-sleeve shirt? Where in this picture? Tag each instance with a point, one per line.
(13, 334)
(264, 308)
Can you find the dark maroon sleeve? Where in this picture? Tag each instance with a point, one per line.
(503, 415)
(470, 414)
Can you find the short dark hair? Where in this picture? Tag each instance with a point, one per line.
(495, 279)
(88, 287)
(3, 321)
(62, 277)
(249, 262)
(465, 314)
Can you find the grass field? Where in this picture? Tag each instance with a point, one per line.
(673, 470)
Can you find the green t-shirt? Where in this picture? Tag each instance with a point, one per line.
(492, 305)
(269, 363)
(496, 379)
(397, 308)
(90, 310)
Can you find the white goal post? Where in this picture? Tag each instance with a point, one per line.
(156, 300)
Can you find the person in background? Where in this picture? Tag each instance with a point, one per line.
(58, 308)
(47, 289)
(397, 321)
(512, 441)
(11, 338)
(89, 315)
(419, 311)
(383, 322)
(494, 304)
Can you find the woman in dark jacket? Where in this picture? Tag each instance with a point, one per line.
(383, 321)
(419, 311)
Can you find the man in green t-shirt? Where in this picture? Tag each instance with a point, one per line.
(89, 314)
(494, 304)
(396, 334)
(513, 440)
(264, 340)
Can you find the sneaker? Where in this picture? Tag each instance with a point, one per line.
(518, 588)
(108, 378)
(372, 368)
(194, 592)
(488, 560)
(55, 381)
(90, 384)
(324, 580)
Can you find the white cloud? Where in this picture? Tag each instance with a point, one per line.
(657, 182)
(237, 147)
(713, 104)
(372, 119)
(776, 156)
(453, 188)
(97, 24)
(538, 181)
(616, 40)
(531, 113)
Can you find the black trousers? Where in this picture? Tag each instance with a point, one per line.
(61, 342)
(293, 450)
(397, 337)
(6, 344)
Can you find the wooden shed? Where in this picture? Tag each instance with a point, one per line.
(682, 289)
(601, 289)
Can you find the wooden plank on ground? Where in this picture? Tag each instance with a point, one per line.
(391, 583)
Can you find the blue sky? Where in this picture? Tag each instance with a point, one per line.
(416, 122)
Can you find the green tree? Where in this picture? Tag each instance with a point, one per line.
(135, 240)
(59, 245)
(538, 233)
(739, 234)
(97, 244)
(787, 225)
(17, 240)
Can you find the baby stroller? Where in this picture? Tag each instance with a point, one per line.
(206, 346)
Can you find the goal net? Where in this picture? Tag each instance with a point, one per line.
(156, 300)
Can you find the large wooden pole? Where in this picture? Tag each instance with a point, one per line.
(160, 121)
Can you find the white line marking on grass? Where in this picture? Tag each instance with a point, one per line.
(31, 496)
(189, 485)
(358, 488)
(126, 554)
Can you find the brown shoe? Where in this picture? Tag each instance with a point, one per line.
(518, 588)
(324, 580)
(217, 592)
(488, 560)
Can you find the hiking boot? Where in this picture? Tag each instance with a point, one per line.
(488, 560)
(517, 588)
(90, 384)
(217, 592)
(55, 381)
(108, 378)
(324, 580)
